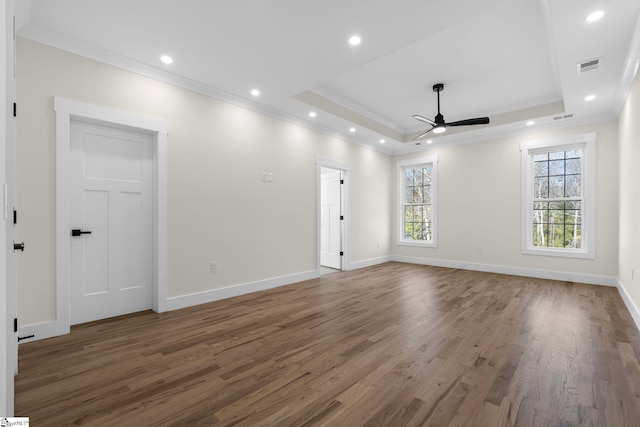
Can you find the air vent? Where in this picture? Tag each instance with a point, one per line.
(591, 65)
(566, 116)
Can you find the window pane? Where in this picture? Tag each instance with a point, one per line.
(417, 213)
(417, 177)
(572, 154)
(556, 186)
(408, 214)
(540, 205)
(541, 169)
(573, 186)
(541, 188)
(540, 216)
(557, 155)
(408, 195)
(426, 192)
(574, 166)
(540, 233)
(426, 173)
(556, 217)
(426, 214)
(541, 157)
(572, 217)
(408, 231)
(417, 195)
(408, 177)
(556, 167)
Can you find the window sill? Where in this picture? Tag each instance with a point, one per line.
(417, 244)
(559, 253)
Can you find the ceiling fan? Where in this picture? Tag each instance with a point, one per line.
(438, 125)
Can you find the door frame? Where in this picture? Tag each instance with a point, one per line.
(345, 207)
(67, 110)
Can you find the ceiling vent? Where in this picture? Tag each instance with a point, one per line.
(566, 116)
(591, 65)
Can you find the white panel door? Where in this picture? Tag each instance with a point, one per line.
(111, 202)
(330, 223)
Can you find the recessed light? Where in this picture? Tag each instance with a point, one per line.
(589, 98)
(255, 92)
(595, 16)
(429, 141)
(531, 123)
(166, 59)
(382, 141)
(312, 114)
(354, 40)
(352, 130)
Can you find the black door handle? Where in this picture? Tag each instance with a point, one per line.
(18, 246)
(78, 232)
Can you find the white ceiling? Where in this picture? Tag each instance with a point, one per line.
(511, 60)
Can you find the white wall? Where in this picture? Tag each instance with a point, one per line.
(629, 129)
(479, 204)
(219, 209)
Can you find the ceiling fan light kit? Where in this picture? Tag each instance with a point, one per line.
(438, 125)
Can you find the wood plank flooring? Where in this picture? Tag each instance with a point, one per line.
(390, 345)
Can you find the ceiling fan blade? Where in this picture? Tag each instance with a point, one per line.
(422, 135)
(467, 122)
(424, 119)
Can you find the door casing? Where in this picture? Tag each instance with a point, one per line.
(65, 111)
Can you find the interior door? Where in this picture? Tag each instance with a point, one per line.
(8, 265)
(330, 223)
(111, 220)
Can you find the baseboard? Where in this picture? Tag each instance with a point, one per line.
(589, 279)
(184, 301)
(41, 331)
(368, 263)
(631, 306)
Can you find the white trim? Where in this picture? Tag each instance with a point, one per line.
(66, 110)
(40, 331)
(631, 306)
(368, 263)
(400, 166)
(184, 301)
(528, 148)
(345, 168)
(564, 276)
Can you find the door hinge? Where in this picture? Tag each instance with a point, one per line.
(15, 110)
(342, 181)
(15, 325)
(341, 217)
(15, 216)
(341, 253)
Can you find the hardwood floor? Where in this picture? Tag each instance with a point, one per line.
(391, 345)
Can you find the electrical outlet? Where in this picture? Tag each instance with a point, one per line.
(478, 249)
(214, 266)
(378, 245)
(265, 176)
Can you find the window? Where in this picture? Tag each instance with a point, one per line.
(558, 196)
(417, 190)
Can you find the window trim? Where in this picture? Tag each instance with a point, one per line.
(401, 165)
(586, 141)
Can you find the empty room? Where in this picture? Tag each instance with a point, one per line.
(294, 213)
